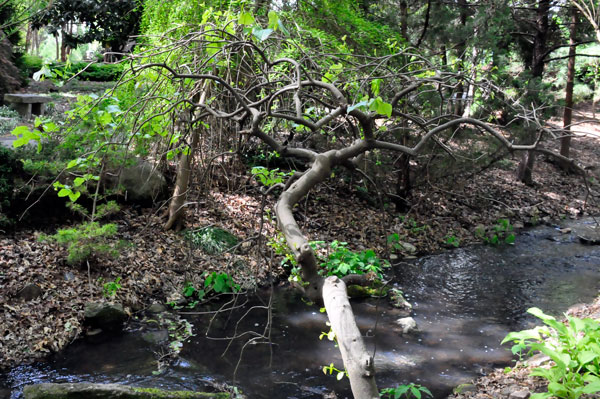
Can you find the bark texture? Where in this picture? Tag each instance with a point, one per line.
(358, 362)
(182, 182)
(565, 142)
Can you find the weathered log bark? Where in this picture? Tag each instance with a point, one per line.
(332, 291)
(358, 362)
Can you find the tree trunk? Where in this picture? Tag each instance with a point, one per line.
(537, 63)
(332, 291)
(28, 38)
(525, 168)
(565, 142)
(182, 182)
(404, 20)
(358, 362)
(461, 49)
(63, 47)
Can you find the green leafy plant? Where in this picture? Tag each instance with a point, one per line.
(407, 391)
(339, 374)
(87, 241)
(574, 348)
(220, 283)
(110, 288)
(269, 177)
(502, 231)
(452, 240)
(210, 239)
(342, 261)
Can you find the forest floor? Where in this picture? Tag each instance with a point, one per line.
(157, 264)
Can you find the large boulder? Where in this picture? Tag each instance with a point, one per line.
(143, 182)
(140, 182)
(9, 73)
(105, 316)
(109, 391)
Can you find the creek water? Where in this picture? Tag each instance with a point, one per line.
(464, 301)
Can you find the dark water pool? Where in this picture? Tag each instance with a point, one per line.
(465, 301)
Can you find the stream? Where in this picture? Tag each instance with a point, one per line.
(464, 302)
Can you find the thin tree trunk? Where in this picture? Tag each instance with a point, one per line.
(461, 49)
(525, 168)
(28, 38)
(565, 142)
(182, 182)
(404, 20)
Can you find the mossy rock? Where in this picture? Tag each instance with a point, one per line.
(376, 289)
(212, 240)
(110, 391)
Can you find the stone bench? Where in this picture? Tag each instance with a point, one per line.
(27, 104)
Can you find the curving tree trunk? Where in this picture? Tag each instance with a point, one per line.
(332, 291)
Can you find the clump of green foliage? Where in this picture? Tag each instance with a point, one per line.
(110, 288)
(212, 240)
(502, 231)
(8, 119)
(575, 349)
(7, 112)
(342, 261)
(89, 240)
(269, 177)
(97, 72)
(214, 283)
(407, 391)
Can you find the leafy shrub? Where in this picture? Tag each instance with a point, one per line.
(29, 64)
(87, 241)
(582, 92)
(210, 239)
(575, 349)
(214, 283)
(97, 72)
(269, 177)
(8, 112)
(220, 283)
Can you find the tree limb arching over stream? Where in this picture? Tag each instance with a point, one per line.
(250, 92)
